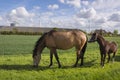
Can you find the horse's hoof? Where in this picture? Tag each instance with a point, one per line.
(81, 64)
(74, 66)
(49, 65)
(102, 66)
(107, 62)
(113, 61)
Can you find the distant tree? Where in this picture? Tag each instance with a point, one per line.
(115, 32)
(55, 28)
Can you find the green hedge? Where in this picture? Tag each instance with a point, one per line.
(19, 33)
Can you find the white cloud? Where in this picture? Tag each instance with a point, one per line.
(62, 1)
(117, 25)
(46, 15)
(75, 3)
(85, 3)
(79, 21)
(20, 12)
(20, 15)
(101, 20)
(53, 7)
(106, 4)
(115, 17)
(87, 13)
(36, 7)
(1, 18)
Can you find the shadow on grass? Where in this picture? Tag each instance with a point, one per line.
(85, 65)
(117, 58)
(22, 67)
(90, 63)
(30, 67)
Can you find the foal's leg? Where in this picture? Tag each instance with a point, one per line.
(104, 59)
(108, 57)
(51, 57)
(113, 56)
(57, 58)
(77, 58)
(101, 59)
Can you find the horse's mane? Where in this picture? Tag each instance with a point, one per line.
(51, 32)
(39, 41)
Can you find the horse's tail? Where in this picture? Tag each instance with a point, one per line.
(84, 48)
(83, 51)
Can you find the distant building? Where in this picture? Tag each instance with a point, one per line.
(12, 24)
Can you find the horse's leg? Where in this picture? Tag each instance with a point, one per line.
(81, 56)
(108, 57)
(51, 57)
(77, 58)
(82, 53)
(113, 57)
(57, 58)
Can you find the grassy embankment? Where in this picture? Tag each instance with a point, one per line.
(16, 61)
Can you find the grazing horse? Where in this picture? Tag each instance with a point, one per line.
(106, 47)
(60, 40)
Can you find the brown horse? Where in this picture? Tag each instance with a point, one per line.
(60, 40)
(106, 47)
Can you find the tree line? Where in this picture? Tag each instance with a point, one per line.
(16, 32)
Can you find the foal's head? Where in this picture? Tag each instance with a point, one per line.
(93, 37)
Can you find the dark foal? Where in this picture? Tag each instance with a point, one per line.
(106, 47)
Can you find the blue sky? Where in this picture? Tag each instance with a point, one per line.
(79, 14)
(7, 5)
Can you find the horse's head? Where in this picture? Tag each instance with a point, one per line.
(36, 60)
(40, 45)
(37, 54)
(93, 37)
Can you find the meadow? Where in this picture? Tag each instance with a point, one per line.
(16, 62)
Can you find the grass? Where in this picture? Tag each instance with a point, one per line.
(14, 44)
(16, 62)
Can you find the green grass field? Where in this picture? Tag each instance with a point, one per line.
(16, 62)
